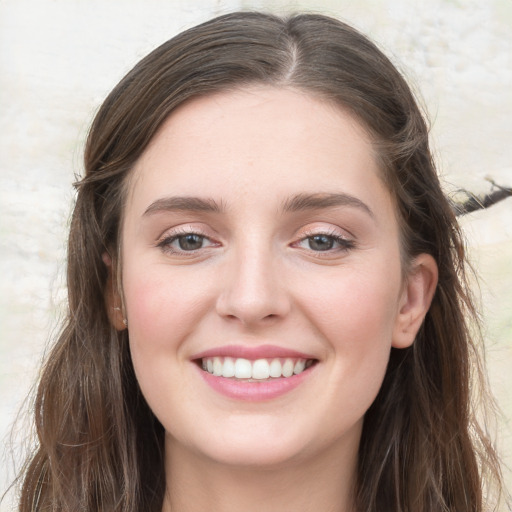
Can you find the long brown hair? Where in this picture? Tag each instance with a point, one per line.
(100, 446)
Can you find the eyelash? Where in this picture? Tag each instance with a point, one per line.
(165, 243)
(344, 244)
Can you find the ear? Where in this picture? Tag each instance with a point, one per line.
(415, 301)
(113, 300)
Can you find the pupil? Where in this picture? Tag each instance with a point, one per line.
(321, 243)
(190, 242)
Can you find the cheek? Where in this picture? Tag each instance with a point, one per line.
(355, 310)
(161, 310)
(355, 316)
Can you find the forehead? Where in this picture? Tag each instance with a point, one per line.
(275, 132)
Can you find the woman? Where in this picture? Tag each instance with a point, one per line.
(267, 300)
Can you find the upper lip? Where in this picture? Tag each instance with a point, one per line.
(252, 352)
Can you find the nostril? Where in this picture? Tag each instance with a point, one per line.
(253, 297)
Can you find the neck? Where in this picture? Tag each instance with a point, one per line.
(196, 483)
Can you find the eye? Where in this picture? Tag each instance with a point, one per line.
(184, 242)
(324, 242)
(190, 241)
(321, 242)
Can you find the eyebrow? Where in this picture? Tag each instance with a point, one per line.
(297, 203)
(319, 201)
(183, 204)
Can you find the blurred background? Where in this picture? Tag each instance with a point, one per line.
(58, 60)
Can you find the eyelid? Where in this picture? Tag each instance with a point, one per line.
(325, 229)
(180, 230)
(345, 243)
(170, 235)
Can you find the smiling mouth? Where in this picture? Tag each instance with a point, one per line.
(254, 370)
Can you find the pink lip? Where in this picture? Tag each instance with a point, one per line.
(252, 353)
(254, 391)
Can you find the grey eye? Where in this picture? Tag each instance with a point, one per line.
(190, 242)
(320, 242)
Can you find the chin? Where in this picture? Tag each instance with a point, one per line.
(255, 456)
(253, 445)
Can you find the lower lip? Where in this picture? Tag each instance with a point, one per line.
(254, 391)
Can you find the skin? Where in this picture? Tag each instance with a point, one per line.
(257, 278)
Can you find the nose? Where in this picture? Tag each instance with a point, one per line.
(252, 290)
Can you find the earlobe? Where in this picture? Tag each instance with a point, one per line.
(415, 301)
(113, 300)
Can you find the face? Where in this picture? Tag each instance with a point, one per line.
(261, 277)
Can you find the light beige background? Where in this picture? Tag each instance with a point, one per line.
(59, 58)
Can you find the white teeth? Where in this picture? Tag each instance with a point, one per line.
(217, 366)
(243, 369)
(288, 368)
(260, 369)
(298, 368)
(276, 368)
(228, 370)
